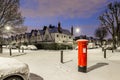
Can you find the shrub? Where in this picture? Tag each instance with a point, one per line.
(25, 43)
(53, 46)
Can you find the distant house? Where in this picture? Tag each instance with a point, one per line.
(33, 37)
(50, 34)
(90, 39)
(57, 35)
(27, 37)
(81, 37)
(13, 39)
(36, 36)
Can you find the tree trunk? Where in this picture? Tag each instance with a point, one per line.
(101, 43)
(1, 49)
(114, 43)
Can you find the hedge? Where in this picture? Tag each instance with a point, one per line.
(53, 46)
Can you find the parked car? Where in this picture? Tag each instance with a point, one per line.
(11, 46)
(91, 45)
(32, 47)
(12, 69)
(23, 47)
(109, 46)
(118, 49)
(4, 46)
(76, 48)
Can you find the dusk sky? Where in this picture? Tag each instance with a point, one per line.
(79, 13)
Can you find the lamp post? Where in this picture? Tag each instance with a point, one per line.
(1, 42)
(8, 28)
(116, 41)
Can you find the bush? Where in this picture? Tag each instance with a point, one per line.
(25, 43)
(53, 46)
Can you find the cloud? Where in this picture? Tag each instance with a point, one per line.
(64, 8)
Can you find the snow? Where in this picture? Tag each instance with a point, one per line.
(11, 66)
(46, 63)
(84, 40)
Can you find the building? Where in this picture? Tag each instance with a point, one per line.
(49, 34)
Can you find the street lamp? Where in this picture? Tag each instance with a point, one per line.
(8, 28)
(116, 40)
(77, 30)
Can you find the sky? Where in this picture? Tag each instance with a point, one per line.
(77, 13)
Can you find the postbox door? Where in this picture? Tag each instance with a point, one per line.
(84, 54)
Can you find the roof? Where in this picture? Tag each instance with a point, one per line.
(34, 31)
(66, 31)
(41, 32)
(28, 34)
(55, 30)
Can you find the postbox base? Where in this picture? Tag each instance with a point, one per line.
(82, 69)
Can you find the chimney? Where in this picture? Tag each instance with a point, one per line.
(44, 28)
(72, 30)
(59, 27)
(59, 24)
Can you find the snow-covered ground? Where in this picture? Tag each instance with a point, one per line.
(46, 63)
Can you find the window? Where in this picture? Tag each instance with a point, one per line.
(38, 37)
(57, 35)
(62, 36)
(46, 37)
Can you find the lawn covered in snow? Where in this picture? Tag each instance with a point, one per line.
(46, 63)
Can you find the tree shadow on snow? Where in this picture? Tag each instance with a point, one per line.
(67, 61)
(35, 77)
(98, 65)
(15, 55)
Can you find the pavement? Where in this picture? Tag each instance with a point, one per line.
(46, 65)
(35, 77)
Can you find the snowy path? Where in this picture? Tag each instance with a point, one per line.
(47, 64)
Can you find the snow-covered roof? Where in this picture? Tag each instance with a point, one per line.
(82, 40)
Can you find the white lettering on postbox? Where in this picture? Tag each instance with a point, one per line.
(84, 50)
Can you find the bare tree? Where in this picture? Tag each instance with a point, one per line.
(110, 19)
(15, 30)
(101, 33)
(20, 29)
(9, 14)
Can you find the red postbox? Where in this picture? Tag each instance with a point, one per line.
(82, 55)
